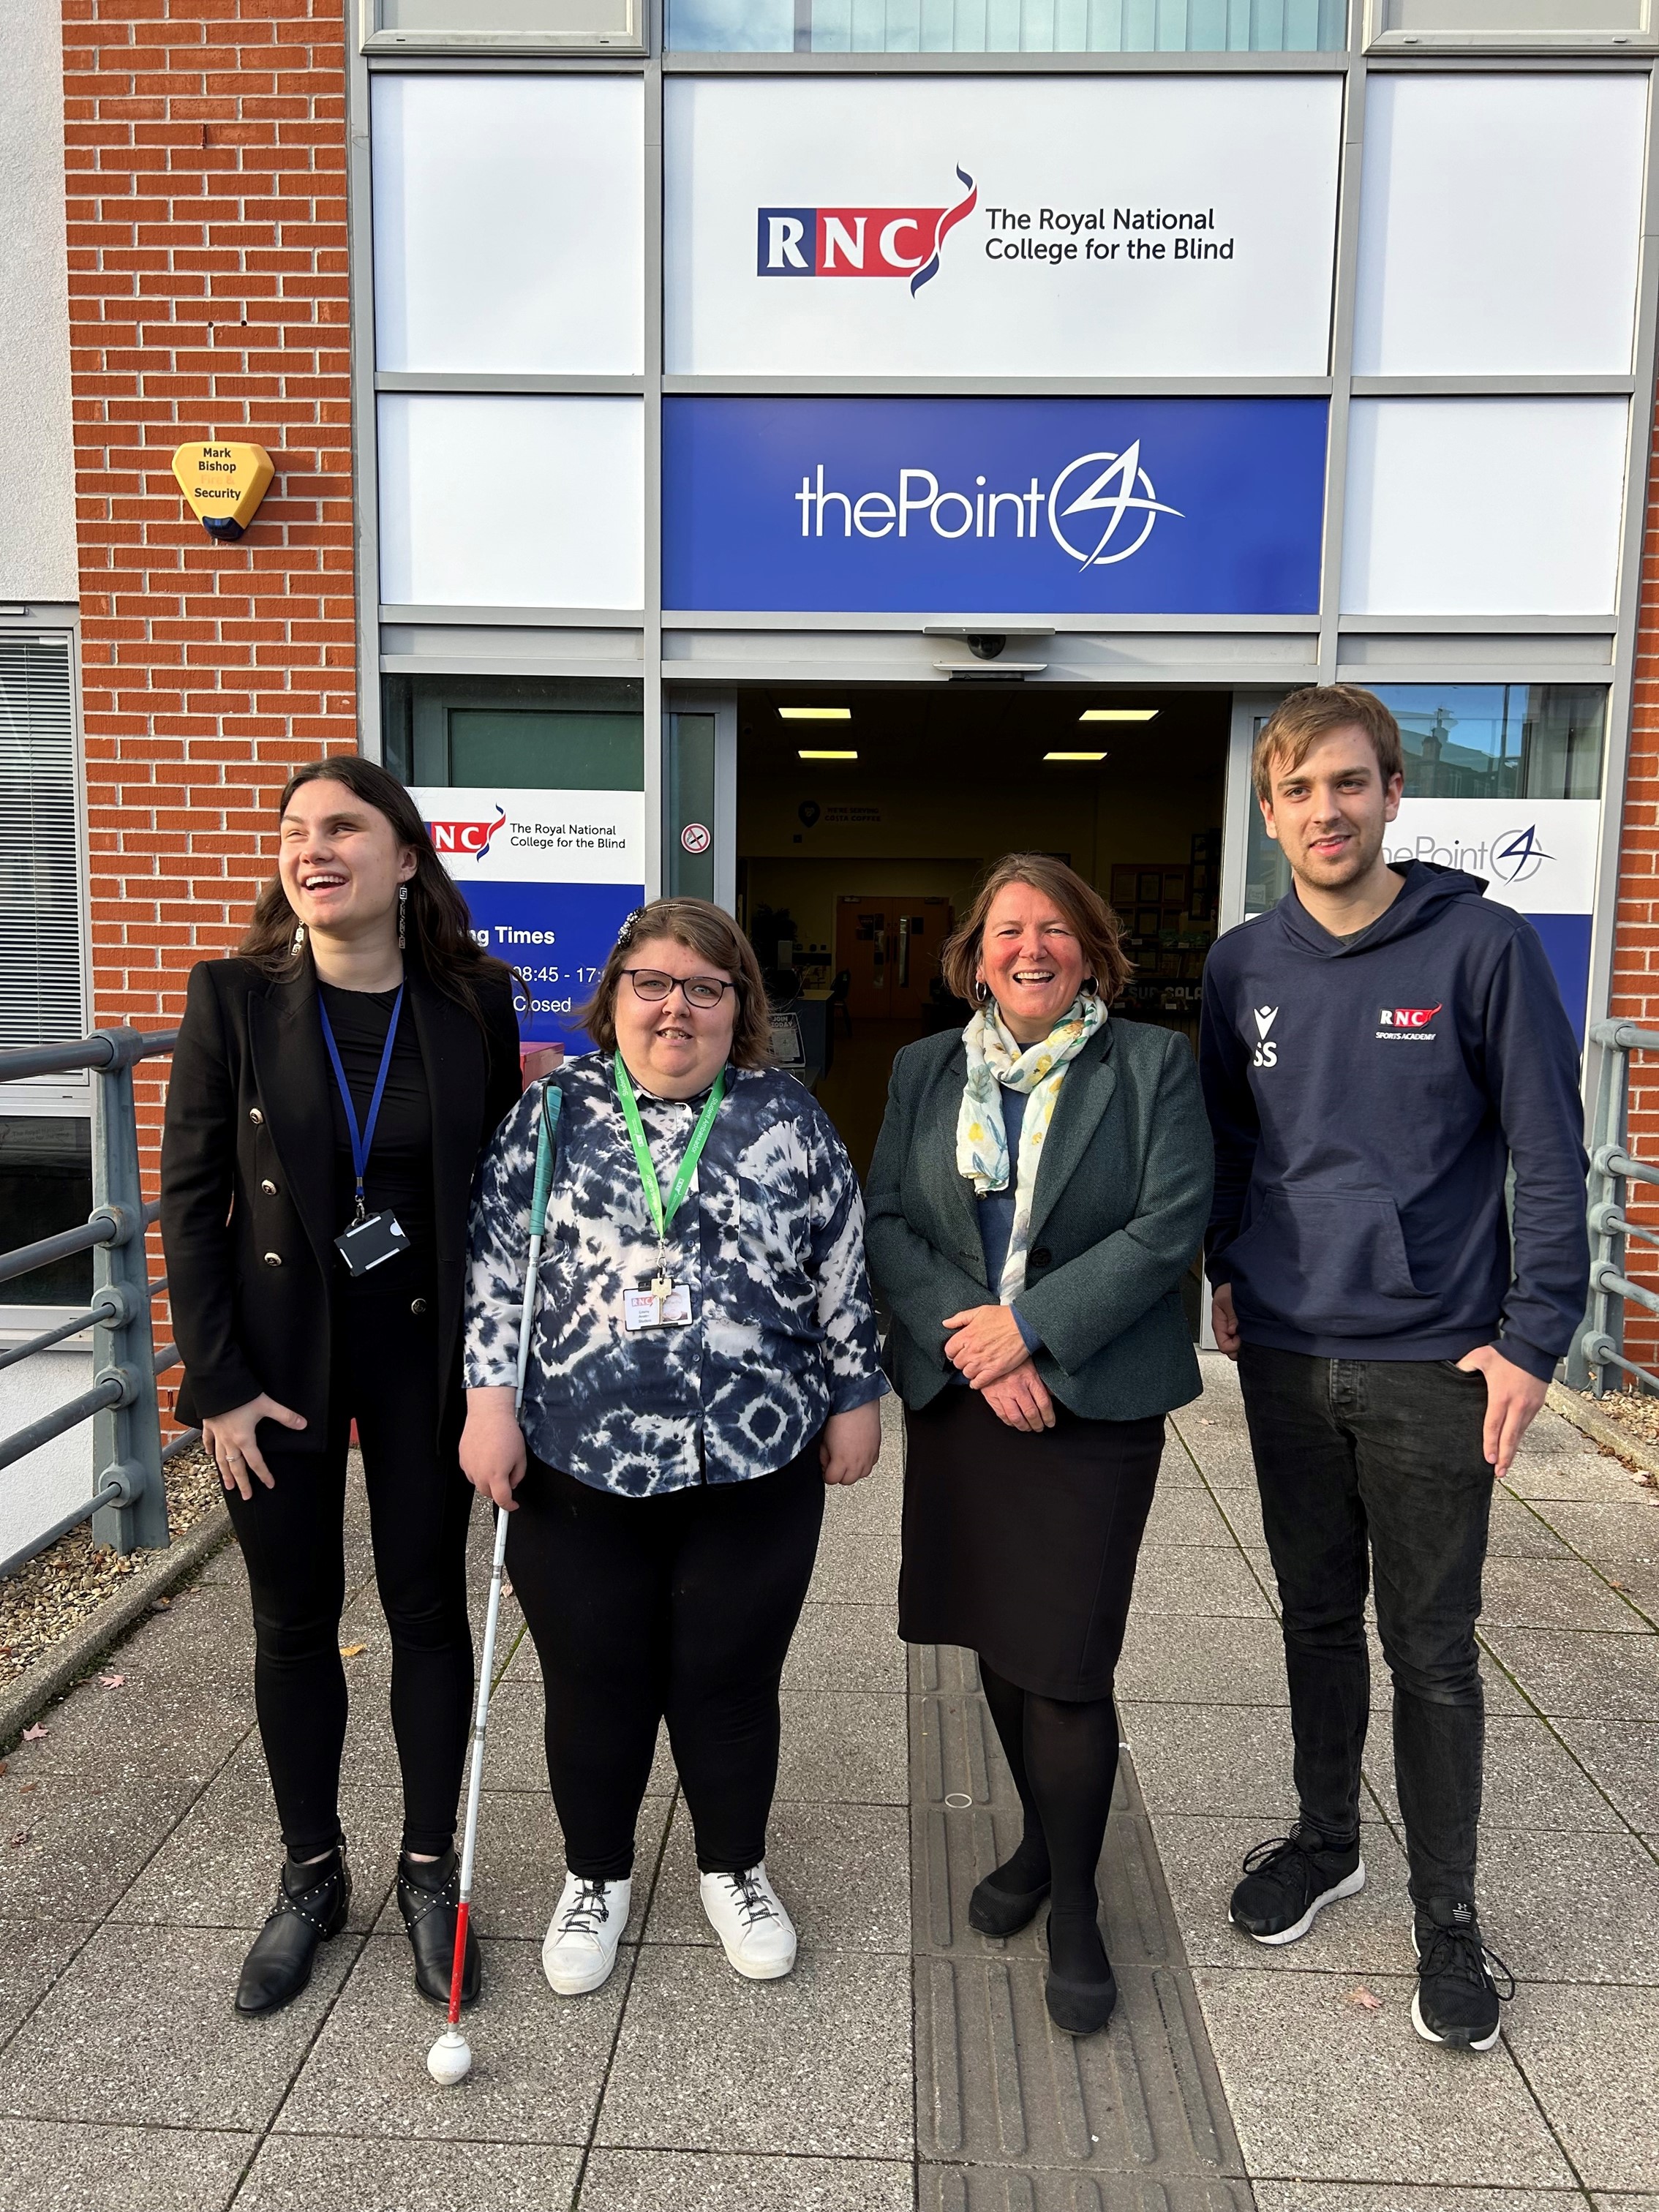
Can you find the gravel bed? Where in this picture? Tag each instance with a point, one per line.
(1635, 1410)
(54, 1593)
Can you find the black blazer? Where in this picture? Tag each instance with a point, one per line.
(247, 1178)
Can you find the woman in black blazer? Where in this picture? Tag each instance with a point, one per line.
(1038, 1190)
(311, 1286)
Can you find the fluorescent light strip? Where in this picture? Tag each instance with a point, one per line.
(1074, 756)
(1118, 714)
(827, 756)
(815, 713)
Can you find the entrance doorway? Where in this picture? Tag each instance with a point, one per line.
(865, 825)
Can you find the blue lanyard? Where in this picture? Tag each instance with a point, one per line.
(364, 1138)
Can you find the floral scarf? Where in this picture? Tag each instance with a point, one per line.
(995, 1060)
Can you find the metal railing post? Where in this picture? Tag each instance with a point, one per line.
(1603, 1314)
(126, 1436)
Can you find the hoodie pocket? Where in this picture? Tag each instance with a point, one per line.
(1328, 1261)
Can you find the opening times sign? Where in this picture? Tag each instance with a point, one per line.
(549, 877)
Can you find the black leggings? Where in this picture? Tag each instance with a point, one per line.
(384, 1376)
(679, 1606)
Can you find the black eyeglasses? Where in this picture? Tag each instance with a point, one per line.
(651, 985)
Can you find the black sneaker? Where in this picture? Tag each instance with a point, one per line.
(1457, 1977)
(1289, 1879)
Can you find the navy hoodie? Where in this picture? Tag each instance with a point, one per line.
(1367, 1100)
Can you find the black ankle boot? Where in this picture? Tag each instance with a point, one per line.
(429, 1897)
(311, 1906)
(1080, 2001)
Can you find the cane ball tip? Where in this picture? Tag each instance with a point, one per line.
(450, 2059)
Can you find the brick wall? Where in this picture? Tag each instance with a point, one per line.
(206, 164)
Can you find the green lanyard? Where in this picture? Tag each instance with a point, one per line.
(662, 1215)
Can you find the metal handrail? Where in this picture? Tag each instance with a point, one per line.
(1599, 1347)
(128, 1504)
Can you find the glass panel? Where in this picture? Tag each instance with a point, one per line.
(1503, 741)
(575, 21)
(522, 734)
(1007, 26)
(1470, 17)
(45, 1186)
(691, 861)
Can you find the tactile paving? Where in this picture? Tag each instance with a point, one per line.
(1013, 2115)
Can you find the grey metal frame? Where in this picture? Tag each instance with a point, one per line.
(1498, 648)
(1599, 1347)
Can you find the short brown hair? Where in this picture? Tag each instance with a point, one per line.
(710, 933)
(1297, 724)
(1087, 914)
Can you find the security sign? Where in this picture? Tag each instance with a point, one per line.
(224, 484)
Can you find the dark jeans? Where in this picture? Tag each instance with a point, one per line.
(677, 1607)
(1388, 1451)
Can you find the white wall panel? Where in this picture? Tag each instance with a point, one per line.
(1499, 224)
(517, 502)
(509, 224)
(1477, 507)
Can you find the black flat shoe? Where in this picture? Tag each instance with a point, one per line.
(429, 1897)
(311, 1906)
(998, 1911)
(1080, 2007)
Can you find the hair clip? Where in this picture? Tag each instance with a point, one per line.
(630, 922)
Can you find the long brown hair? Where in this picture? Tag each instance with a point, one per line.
(1086, 914)
(437, 924)
(710, 933)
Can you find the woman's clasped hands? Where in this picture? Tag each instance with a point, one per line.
(984, 1345)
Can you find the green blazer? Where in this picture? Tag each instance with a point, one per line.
(1122, 1195)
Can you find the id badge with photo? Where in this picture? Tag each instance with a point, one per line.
(670, 1308)
(371, 1242)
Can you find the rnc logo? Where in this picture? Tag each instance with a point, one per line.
(857, 241)
(464, 839)
(1407, 1017)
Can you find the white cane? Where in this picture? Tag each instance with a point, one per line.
(450, 2059)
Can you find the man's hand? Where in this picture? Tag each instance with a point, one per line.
(1224, 1320)
(984, 1343)
(850, 1443)
(231, 1439)
(1021, 1399)
(1513, 1398)
(492, 1445)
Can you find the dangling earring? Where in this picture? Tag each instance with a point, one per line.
(403, 914)
(299, 944)
(1089, 987)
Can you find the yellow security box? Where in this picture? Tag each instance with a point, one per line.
(224, 484)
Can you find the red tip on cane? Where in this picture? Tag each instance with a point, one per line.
(459, 1967)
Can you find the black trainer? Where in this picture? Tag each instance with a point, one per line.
(1288, 1882)
(1457, 1977)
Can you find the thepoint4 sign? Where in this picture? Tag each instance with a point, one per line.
(1045, 227)
(548, 877)
(999, 505)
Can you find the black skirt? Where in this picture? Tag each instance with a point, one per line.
(1021, 1547)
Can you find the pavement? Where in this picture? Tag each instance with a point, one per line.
(907, 2063)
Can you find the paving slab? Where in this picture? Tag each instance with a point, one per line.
(1558, 1464)
(1202, 1860)
(1592, 2056)
(846, 1647)
(1515, 1531)
(951, 2188)
(1583, 1677)
(818, 2065)
(842, 1870)
(48, 2166)
(1388, 2197)
(1612, 1534)
(336, 2174)
(1204, 1663)
(1639, 1588)
(1555, 1594)
(33, 1954)
(1185, 1516)
(140, 2030)
(537, 2060)
(1623, 1757)
(1214, 1759)
(842, 1746)
(1321, 2088)
(1532, 1779)
(1587, 1914)
(1195, 1581)
(856, 1570)
(706, 2181)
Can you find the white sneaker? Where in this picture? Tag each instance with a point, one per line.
(579, 1949)
(747, 1914)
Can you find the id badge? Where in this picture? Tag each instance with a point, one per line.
(657, 1309)
(371, 1242)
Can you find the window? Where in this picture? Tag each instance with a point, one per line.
(42, 999)
(1448, 24)
(1007, 26)
(504, 25)
(45, 1186)
(523, 735)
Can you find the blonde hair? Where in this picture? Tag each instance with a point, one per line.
(710, 933)
(1086, 914)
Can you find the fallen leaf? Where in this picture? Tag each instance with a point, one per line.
(1365, 2000)
(161, 1604)
(112, 1681)
(3, 1768)
(1617, 1586)
(24, 1788)
(507, 1587)
(22, 1836)
(33, 1735)
(353, 1650)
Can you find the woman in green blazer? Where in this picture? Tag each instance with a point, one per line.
(1039, 1188)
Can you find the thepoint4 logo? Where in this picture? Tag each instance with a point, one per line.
(465, 840)
(859, 242)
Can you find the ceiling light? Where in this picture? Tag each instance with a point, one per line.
(827, 756)
(815, 713)
(1074, 756)
(1118, 714)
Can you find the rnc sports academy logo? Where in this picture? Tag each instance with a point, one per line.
(859, 242)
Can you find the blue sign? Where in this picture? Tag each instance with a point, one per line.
(1204, 506)
(557, 937)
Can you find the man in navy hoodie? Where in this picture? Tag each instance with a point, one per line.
(1377, 1052)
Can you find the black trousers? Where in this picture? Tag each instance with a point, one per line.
(1352, 1453)
(385, 1376)
(678, 1607)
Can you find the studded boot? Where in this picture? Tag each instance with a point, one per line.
(429, 1897)
(311, 1906)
